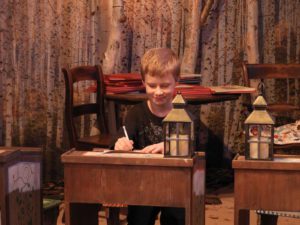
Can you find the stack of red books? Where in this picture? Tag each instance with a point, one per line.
(123, 83)
(193, 90)
(132, 82)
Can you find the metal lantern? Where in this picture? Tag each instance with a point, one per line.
(259, 129)
(178, 131)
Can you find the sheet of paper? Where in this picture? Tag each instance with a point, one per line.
(125, 154)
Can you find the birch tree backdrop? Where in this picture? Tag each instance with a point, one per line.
(38, 38)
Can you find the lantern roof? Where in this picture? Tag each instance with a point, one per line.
(178, 113)
(178, 101)
(260, 102)
(259, 115)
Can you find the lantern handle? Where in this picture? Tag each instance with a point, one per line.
(261, 88)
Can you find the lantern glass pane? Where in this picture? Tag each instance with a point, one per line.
(178, 139)
(262, 130)
(259, 141)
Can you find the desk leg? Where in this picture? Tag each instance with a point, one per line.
(195, 214)
(241, 216)
(81, 214)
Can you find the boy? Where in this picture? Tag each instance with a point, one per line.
(160, 70)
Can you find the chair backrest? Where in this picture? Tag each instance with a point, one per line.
(75, 75)
(272, 71)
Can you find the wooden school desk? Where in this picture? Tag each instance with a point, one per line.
(265, 185)
(133, 179)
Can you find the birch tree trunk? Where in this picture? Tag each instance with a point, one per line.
(192, 32)
(3, 29)
(268, 52)
(112, 53)
(176, 7)
(252, 37)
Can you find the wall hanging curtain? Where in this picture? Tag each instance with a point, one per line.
(38, 38)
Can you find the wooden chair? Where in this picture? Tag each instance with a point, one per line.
(274, 71)
(74, 111)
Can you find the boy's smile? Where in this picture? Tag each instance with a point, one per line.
(160, 91)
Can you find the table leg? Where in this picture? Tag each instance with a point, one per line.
(241, 216)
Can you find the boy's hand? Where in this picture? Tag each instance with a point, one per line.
(123, 144)
(156, 148)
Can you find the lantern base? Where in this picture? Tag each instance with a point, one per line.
(179, 156)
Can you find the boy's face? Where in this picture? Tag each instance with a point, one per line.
(160, 89)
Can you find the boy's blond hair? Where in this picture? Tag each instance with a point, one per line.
(159, 62)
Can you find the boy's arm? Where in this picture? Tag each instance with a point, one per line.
(119, 141)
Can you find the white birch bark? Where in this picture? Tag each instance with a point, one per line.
(8, 111)
(209, 50)
(112, 52)
(192, 37)
(137, 36)
(252, 37)
(3, 29)
(232, 108)
(296, 24)
(268, 8)
(49, 81)
(252, 32)
(205, 11)
(104, 16)
(60, 87)
(176, 8)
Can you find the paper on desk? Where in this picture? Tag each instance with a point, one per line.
(125, 154)
(287, 160)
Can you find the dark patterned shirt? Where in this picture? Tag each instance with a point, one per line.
(143, 127)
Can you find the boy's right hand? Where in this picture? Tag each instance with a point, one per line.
(123, 144)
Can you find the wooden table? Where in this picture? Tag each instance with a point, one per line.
(133, 179)
(130, 99)
(20, 185)
(190, 99)
(266, 185)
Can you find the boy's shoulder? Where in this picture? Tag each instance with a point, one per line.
(138, 108)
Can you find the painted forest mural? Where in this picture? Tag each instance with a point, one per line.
(38, 38)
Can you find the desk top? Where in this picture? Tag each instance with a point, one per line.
(134, 98)
(126, 158)
(10, 153)
(280, 162)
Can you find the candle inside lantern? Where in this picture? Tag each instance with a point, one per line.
(264, 148)
(183, 145)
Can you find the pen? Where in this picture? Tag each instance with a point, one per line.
(125, 132)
